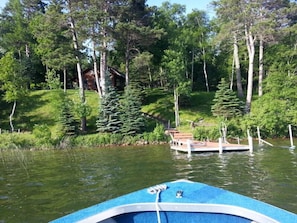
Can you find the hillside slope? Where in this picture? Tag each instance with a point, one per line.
(39, 108)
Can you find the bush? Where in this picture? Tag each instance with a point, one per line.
(159, 133)
(203, 133)
(101, 139)
(17, 141)
(42, 135)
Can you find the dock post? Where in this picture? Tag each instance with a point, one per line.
(291, 137)
(189, 147)
(220, 146)
(259, 136)
(251, 149)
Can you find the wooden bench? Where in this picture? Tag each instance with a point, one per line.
(180, 135)
(179, 138)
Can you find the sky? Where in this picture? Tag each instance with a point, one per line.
(2, 3)
(190, 4)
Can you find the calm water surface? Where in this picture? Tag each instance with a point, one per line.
(43, 185)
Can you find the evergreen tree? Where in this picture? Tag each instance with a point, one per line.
(66, 117)
(131, 115)
(109, 113)
(132, 30)
(54, 39)
(226, 103)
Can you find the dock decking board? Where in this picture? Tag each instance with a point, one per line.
(184, 142)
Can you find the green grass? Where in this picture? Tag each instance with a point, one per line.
(39, 108)
(160, 104)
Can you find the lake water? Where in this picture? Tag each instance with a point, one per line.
(38, 186)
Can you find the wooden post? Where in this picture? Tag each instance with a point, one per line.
(189, 147)
(291, 137)
(250, 140)
(220, 146)
(259, 136)
(224, 130)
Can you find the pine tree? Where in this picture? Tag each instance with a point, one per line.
(226, 103)
(109, 113)
(131, 115)
(67, 120)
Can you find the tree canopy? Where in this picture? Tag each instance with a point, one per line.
(248, 43)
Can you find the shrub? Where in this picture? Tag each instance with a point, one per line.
(159, 133)
(42, 135)
(202, 133)
(101, 139)
(16, 141)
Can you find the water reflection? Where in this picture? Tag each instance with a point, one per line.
(42, 185)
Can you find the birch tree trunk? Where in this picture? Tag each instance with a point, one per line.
(11, 116)
(95, 68)
(127, 58)
(204, 70)
(232, 75)
(250, 43)
(103, 68)
(176, 107)
(237, 67)
(192, 69)
(79, 72)
(103, 53)
(65, 79)
(261, 65)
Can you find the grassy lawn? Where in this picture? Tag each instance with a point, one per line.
(197, 107)
(39, 108)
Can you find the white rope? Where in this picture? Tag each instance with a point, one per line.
(157, 206)
(157, 190)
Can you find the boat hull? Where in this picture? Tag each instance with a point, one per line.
(198, 203)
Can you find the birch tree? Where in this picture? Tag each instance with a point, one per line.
(172, 19)
(256, 19)
(272, 19)
(174, 66)
(97, 25)
(196, 34)
(12, 82)
(73, 9)
(228, 12)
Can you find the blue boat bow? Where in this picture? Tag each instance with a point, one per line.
(181, 201)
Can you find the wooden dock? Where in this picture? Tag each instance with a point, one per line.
(185, 142)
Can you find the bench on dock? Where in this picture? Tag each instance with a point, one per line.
(179, 138)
